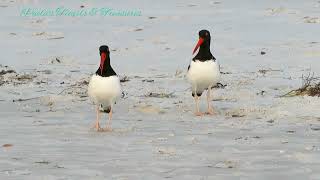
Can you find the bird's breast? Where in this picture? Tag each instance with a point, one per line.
(102, 89)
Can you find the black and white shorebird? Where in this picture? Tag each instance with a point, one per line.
(104, 88)
(203, 71)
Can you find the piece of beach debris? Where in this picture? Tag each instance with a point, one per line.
(152, 17)
(256, 137)
(262, 53)
(7, 145)
(261, 93)
(291, 131)
(225, 164)
(264, 71)
(59, 167)
(147, 80)
(215, 2)
(238, 115)
(221, 72)
(46, 71)
(25, 77)
(167, 151)
(39, 33)
(124, 79)
(247, 138)
(138, 29)
(74, 70)
(55, 60)
(42, 162)
(41, 82)
(270, 121)
(81, 83)
(124, 95)
(84, 82)
(52, 38)
(274, 11)
(219, 86)
(310, 87)
(237, 138)
(179, 102)
(82, 6)
(310, 148)
(26, 99)
(311, 20)
(19, 79)
(49, 35)
(3, 72)
(314, 127)
(160, 95)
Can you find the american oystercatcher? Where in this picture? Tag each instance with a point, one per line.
(203, 71)
(104, 88)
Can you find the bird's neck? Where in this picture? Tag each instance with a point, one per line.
(107, 69)
(204, 53)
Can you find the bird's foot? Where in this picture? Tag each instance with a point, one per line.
(210, 111)
(198, 113)
(97, 127)
(107, 129)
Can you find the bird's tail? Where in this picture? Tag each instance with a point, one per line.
(105, 109)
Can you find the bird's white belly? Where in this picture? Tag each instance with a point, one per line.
(203, 75)
(104, 90)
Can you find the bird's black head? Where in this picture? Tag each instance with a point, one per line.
(105, 68)
(204, 40)
(204, 44)
(104, 49)
(205, 35)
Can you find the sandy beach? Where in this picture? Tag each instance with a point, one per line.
(263, 47)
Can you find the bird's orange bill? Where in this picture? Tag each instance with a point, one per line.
(103, 58)
(200, 41)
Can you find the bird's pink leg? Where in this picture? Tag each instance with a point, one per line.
(196, 99)
(97, 124)
(108, 127)
(210, 109)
